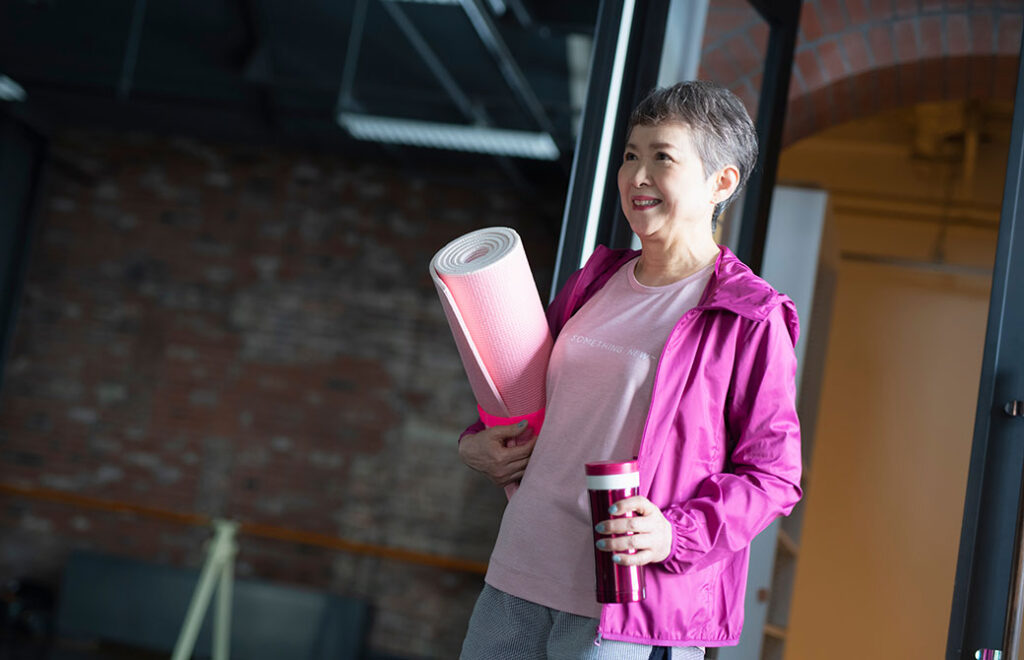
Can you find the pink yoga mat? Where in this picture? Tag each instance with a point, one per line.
(497, 319)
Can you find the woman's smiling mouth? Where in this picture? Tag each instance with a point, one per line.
(642, 203)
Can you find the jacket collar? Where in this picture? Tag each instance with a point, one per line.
(733, 286)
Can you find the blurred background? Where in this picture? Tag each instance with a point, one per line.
(214, 304)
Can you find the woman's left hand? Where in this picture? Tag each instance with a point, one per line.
(651, 533)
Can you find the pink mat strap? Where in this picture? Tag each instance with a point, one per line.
(534, 420)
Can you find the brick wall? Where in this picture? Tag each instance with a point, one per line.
(252, 333)
(855, 58)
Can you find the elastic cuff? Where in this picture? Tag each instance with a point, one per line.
(534, 420)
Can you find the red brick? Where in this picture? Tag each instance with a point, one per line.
(880, 10)
(931, 6)
(797, 84)
(858, 11)
(821, 108)
(880, 39)
(875, 93)
(746, 92)
(909, 91)
(743, 56)
(844, 107)
(806, 62)
(982, 33)
(759, 34)
(956, 76)
(799, 120)
(1008, 34)
(810, 24)
(905, 40)
(755, 84)
(719, 22)
(855, 47)
(788, 132)
(833, 19)
(932, 82)
(958, 35)
(930, 36)
(831, 60)
(955, 5)
(1004, 78)
(906, 7)
(720, 66)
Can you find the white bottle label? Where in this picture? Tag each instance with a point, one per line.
(613, 481)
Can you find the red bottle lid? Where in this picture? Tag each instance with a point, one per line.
(602, 468)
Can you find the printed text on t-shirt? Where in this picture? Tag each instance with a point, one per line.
(612, 348)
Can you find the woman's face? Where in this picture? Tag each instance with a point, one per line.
(662, 185)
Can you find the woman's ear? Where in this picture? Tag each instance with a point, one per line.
(726, 181)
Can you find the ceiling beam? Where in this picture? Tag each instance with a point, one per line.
(472, 111)
(131, 49)
(258, 68)
(355, 41)
(491, 38)
(434, 63)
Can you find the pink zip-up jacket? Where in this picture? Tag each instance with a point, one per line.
(720, 450)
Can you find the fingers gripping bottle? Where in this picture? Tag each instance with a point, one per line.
(607, 483)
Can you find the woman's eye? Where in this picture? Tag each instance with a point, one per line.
(661, 155)
(629, 156)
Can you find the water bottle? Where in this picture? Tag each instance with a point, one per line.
(607, 483)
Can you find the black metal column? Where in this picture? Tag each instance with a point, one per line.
(639, 76)
(22, 152)
(989, 535)
(784, 19)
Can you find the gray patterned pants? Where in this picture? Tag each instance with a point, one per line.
(504, 627)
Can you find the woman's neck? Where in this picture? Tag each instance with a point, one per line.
(662, 263)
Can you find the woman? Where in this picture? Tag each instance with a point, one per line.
(680, 356)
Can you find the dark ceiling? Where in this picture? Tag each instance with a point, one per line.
(279, 71)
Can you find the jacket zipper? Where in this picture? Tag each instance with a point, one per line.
(657, 373)
(699, 307)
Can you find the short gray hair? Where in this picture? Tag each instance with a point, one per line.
(720, 127)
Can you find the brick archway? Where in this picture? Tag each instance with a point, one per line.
(855, 58)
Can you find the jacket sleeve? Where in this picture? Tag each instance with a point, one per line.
(475, 427)
(730, 508)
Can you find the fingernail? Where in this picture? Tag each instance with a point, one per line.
(601, 544)
(617, 559)
(613, 509)
(599, 528)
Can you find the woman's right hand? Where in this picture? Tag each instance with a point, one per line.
(500, 452)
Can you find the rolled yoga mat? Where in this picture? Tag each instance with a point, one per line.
(498, 322)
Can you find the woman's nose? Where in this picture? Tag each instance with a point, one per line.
(639, 177)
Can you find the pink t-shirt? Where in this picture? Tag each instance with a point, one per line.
(599, 390)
